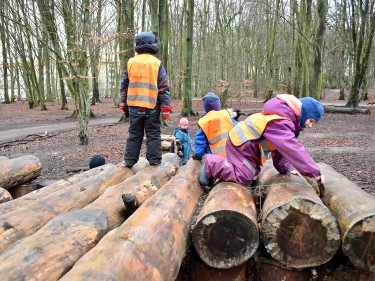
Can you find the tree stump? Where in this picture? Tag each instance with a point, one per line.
(226, 231)
(354, 210)
(62, 241)
(152, 243)
(19, 170)
(297, 229)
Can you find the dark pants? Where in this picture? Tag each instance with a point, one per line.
(140, 124)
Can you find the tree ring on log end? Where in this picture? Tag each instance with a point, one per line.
(359, 244)
(301, 233)
(228, 240)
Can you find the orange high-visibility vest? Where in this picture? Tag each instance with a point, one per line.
(216, 126)
(252, 128)
(143, 73)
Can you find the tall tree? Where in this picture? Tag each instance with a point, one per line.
(362, 27)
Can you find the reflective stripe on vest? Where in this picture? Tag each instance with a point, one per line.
(216, 126)
(252, 128)
(143, 71)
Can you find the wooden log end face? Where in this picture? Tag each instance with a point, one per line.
(301, 234)
(359, 244)
(225, 239)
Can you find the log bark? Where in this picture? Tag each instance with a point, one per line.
(354, 210)
(200, 271)
(19, 170)
(226, 231)
(23, 189)
(347, 110)
(14, 226)
(297, 229)
(61, 242)
(38, 194)
(5, 196)
(152, 243)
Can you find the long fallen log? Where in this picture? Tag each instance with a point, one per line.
(225, 234)
(61, 242)
(19, 170)
(152, 243)
(354, 210)
(14, 226)
(297, 229)
(347, 110)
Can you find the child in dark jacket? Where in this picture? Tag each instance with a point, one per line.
(181, 143)
(144, 94)
(275, 130)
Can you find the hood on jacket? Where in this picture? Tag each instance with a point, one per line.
(280, 107)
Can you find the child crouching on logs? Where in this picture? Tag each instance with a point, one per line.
(274, 130)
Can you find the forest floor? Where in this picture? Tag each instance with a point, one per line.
(344, 141)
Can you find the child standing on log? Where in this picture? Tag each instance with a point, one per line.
(214, 128)
(144, 93)
(275, 130)
(181, 144)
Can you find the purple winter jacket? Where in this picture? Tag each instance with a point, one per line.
(243, 162)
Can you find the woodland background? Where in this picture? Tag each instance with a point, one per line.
(239, 49)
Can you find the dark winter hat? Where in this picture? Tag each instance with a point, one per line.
(96, 161)
(311, 108)
(211, 102)
(146, 42)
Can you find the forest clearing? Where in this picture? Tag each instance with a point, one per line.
(344, 141)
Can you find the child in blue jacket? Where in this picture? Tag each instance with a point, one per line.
(181, 143)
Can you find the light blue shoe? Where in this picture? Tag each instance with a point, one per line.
(203, 179)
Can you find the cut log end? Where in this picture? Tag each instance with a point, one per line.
(225, 239)
(359, 244)
(301, 234)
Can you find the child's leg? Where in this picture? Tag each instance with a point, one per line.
(152, 128)
(134, 141)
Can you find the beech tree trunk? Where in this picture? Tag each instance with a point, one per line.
(152, 243)
(354, 210)
(297, 229)
(19, 170)
(72, 197)
(61, 242)
(225, 234)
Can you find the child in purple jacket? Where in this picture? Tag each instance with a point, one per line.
(274, 130)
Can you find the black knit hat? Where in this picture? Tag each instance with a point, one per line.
(146, 42)
(96, 161)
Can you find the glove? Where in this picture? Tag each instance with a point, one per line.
(124, 107)
(196, 157)
(166, 110)
(238, 114)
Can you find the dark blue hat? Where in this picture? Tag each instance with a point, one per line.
(211, 102)
(311, 108)
(146, 42)
(96, 161)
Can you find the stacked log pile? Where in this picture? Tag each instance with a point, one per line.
(80, 229)
(62, 241)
